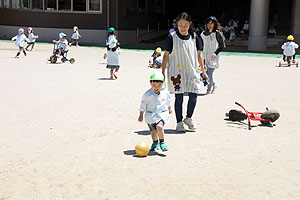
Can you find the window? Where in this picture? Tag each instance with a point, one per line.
(64, 5)
(94, 5)
(79, 5)
(50, 5)
(141, 6)
(37, 4)
(54, 5)
(15, 4)
(6, 4)
(25, 4)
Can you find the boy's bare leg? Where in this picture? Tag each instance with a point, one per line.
(115, 75)
(160, 131)
(154, 135)
(111, 73)
(32, 46)
(161, 136)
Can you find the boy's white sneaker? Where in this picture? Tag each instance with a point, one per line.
(180, 127)
(189, 122)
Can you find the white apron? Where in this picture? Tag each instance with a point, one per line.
(210, 45)
(183, 73)
(112, 57)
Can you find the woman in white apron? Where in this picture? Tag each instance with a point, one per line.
(213, 44)
(112, 54)
(181, 59)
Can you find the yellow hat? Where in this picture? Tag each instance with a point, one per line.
(158, 49)
(290, 37)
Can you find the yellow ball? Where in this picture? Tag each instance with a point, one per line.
(142, 149)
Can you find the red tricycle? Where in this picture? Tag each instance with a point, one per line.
(289, 62)
(266, 118)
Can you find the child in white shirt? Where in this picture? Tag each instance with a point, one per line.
(75, 36)
(62, 43)
(20, 39)
(31, 38)
(289, 48)
(156, 106)
(112, 54)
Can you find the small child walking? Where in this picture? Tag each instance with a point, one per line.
(156, 106)
(31, 38)
(20, 39)
(112, 55)
(75, 36)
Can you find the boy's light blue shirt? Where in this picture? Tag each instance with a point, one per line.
(155, 106)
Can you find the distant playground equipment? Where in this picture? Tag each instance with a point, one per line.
(288, 62)
(54, 56)
(266, 118)
(142, 149)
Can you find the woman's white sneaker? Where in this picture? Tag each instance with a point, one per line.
(189, 122)
(180, 127)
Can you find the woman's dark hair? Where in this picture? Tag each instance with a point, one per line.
(214, 20)
(187, 17)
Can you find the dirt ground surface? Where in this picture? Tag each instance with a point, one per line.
(68, 132)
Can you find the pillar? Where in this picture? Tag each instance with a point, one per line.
(295, 26)
(258, 30)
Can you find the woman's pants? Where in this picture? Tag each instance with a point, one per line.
(210, 72)
(190, 107)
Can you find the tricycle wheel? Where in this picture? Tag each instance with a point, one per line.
(236, 115)
(271, 115)
(72, 60)
(266, 123)
(63, 60)
(53, 59)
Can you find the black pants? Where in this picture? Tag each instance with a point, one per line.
(284, 56)
(190, 107)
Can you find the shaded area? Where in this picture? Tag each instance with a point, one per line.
(167, 131)
(151, 153)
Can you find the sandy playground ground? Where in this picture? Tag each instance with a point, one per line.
(67, 132)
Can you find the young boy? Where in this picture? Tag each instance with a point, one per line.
(62, 43)
(75, 36)
(20, 39)
(156, 59)
(289, 48)
(31, 38)
(156, 106)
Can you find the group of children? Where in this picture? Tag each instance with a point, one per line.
(20, 40)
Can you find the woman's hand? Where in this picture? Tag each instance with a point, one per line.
(205, 76)
(213, 56)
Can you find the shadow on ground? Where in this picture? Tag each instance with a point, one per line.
(167, 131)
(151, 153)
(105, 79)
